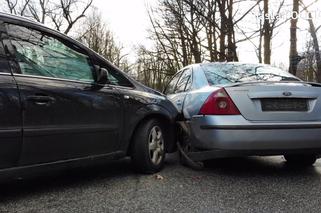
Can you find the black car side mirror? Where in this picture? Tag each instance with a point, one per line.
(101, 75)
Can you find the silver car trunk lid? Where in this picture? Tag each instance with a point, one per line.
(277, 102)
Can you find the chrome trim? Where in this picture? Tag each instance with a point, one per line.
(263, 126)
(50, 78)
(68, 80)
(33, 131)
(6, 73)
(87, 158)
(149, 95)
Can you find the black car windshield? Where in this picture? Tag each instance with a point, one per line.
(234, 73)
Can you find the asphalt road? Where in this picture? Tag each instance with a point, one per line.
(237, 185)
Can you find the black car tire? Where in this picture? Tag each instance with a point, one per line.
(144, 150)
(211, 163)
(300, 160)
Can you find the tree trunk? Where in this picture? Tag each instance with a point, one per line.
(294, 59)
(315, 47)
(260, 46)
(267, 34)
(223, 30)
(231, 48)
(196, 51)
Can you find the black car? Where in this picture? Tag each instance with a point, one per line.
(62, 104)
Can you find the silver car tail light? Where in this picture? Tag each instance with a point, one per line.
(219, 103)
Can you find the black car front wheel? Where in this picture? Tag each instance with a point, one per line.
(300, 160)
(148, 148)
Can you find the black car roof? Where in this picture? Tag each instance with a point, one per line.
(7, 15)
(22, 19)
(33, 24)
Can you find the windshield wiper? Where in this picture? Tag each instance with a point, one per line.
(271, 82)
(285, 78)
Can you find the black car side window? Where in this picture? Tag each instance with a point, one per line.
(2, 53)
(116, 78)
(4, 65)
(44, 55)
(184, 81)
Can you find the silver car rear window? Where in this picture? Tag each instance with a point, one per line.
(232, 73)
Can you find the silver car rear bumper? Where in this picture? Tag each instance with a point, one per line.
(235, 136)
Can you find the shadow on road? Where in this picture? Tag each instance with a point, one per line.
(260, 166)
(99, 175)
(53, 181)
(86, 176)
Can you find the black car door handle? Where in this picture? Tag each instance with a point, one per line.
(40, 99)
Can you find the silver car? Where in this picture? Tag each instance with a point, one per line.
(237, 109)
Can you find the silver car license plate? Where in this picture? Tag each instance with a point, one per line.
(284, 104)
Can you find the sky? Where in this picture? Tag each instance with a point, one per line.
(128, 19)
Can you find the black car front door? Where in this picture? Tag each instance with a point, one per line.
(65, 115)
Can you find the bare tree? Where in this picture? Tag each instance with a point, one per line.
(187, 31)
(306, 68)
(267, 33)
(269, 25)
(17, 7)
(153, 68)
(294, 57)
(63, 15)
(95, 34)
(67, 10)
(313, 31)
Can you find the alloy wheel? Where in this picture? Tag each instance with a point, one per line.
(156, 145)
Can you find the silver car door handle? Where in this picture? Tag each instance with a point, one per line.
(179, 102)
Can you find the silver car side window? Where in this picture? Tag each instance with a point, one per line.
(184, 81)
(172, 84)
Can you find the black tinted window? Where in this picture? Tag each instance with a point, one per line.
(184, 81)
(4, 65)
(114, 77)
(2, 53)
(41, 54)
(117, 78)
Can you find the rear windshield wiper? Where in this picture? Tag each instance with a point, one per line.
(285, 78)
(272, 82)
